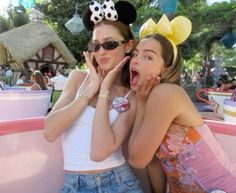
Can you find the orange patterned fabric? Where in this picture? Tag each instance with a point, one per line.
(194, 162)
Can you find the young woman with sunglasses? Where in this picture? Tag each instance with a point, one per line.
(84, 110)
(167, 124)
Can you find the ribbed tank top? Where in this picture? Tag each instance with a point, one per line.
(76, 143)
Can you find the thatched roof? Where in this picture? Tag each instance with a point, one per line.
(25, 41)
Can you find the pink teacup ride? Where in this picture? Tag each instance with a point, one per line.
(215, 99)
(29, 164)
(20, 104)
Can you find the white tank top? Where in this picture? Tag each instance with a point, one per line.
(76, 143)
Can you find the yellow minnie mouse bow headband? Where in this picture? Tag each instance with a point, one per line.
(176, 31)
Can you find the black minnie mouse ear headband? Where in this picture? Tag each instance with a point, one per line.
(121, 11)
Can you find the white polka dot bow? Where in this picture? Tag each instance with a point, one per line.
(104, 11)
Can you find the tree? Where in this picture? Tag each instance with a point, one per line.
(57, 13)
(3, 24)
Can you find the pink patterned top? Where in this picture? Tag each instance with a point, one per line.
(194, 161)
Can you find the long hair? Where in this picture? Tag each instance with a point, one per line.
(38, 77)
(172, 75)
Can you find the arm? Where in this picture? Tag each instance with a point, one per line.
(107, 138)
(58, 121)
(163, 105)
(142, 94)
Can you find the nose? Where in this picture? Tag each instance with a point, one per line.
(101, 50)
(134, 61)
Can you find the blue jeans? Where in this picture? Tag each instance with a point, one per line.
(117, 180)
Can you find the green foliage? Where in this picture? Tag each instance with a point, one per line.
(17, 16)
(3, 24)
(210, 23)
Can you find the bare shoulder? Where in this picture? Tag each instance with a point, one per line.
(168, 91)
(35, 86)
(77, 74)
(76, 77)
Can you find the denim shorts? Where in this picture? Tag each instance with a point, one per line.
(117, 180)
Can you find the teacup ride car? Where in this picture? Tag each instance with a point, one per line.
(28, 163)
(20, 104)
(215, 98)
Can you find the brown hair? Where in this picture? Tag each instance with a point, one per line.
(38, 77)
(172, 75)
(127, 33)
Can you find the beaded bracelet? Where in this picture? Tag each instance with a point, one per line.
(104, 96)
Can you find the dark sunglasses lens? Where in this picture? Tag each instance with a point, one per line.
(110, 45)
(92, 47)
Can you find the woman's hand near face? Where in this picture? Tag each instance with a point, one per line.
(146, 87)
(110, 77)
(95, 76)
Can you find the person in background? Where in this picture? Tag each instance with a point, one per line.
(167, 124)
(1, 83)
(58, 82)
(8, 76)
(47, 83)
(37, 81)
(85, 104)
(21, 80)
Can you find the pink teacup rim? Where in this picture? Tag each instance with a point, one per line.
(210, 90)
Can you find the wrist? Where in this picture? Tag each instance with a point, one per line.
(104, 95)
(84, 97)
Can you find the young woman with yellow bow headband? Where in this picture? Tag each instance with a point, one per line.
(167, 124)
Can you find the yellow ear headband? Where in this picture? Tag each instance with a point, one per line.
(176, 31)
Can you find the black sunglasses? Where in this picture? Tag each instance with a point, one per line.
(109, 45)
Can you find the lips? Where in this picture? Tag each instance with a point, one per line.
(134, 77)
(103, 60)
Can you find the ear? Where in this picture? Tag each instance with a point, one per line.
(164, 70)
(129, 46)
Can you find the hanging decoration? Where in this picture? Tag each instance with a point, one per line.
(228, 40)
(27, 4)
(35, 15)
(75, 24)
(168, 6)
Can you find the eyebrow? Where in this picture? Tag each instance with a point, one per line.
(105, 39)
(147, 50)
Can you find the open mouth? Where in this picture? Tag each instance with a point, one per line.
(134, 77)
